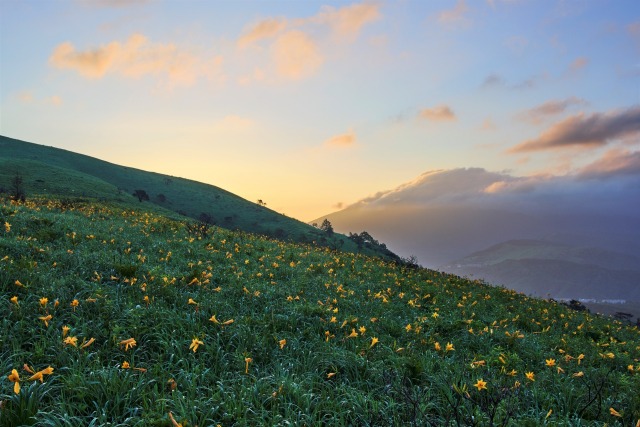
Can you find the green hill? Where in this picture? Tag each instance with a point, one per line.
(52, 171)
(120, 316)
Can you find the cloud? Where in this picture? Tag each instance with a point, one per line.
(493, 80)
(347, 21)
(345, 140)
(580, 130)
(54, 100)
(134, 58)
(488, 124)
(265, 29)
(578, 64)
(457, 15)
(613, 163)
(233, 123)
(25, 97)
(296, 55)
(550, 108)
(112, 3)
(440, 113)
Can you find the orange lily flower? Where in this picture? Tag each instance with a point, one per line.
(128, 343)
(14, 377)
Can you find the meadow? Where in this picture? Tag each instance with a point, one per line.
(116, 315)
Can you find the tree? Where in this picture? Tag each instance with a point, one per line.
(141, 195)
(326, 227)
(261, 203)
(17, 188)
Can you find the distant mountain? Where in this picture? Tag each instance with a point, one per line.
(582, 233)
(52, 171)
(562, 271)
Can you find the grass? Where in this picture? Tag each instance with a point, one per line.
(302, 335)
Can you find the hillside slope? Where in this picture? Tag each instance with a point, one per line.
(130, 318)
(86, 176)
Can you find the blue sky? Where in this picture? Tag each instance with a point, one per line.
(311, 106)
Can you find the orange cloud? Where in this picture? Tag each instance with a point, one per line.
(264, 29)
(441, 113)
(296, 55)
(345, 140)
(347, 21)
(134, 58)
(591, 131)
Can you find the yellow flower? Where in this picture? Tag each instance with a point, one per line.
(437, 346)
(614, 412)
(128, 343)
(530, 376)
(195, 343)
(580, 357)
(17, 283)
(549, 413)
(353, 334)
(14, 377)
(65, 331)
(362, 330)
(74, 304)
(71, 341)
(14, 300)
(44, 301)
(88, 343)
(480, 385)
(374, 341)
(39, 375)
(125, 365)
(247, 360)
(192, 302)
(7, 228)
(282, 343)
(449, 347)
(56, 303)
(46, 319)
(550, 362)
(578, 374)
(217, 322)
(331, 374)
(408, 327)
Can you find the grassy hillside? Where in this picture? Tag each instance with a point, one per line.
(52, 171)
(134, 319)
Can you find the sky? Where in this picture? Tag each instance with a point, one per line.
(311, 106)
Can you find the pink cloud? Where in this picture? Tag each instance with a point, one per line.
(455, 15)
(551, 108)
(578, 64)
(585, 131)
(614, 162)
